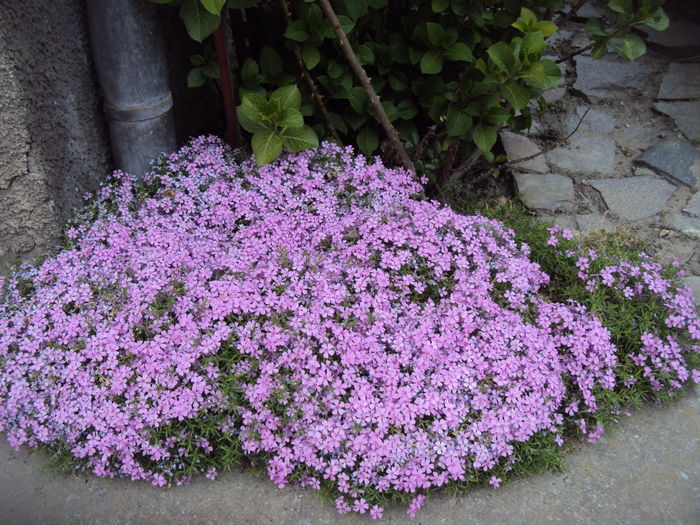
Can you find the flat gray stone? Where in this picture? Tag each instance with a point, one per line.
(634, 198)
(517, 147)
(687, 225)
(686, 115)
(593, 222)
(680, 39)
(673, 158)
(693, 282)
(554, 95)
(693, 206)
(679, 252)
(588, 10)
(595, 121)
(681, 81)
(586, 153)
(599, 79)
(548, 191)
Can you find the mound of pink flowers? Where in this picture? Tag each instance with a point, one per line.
(381, 340)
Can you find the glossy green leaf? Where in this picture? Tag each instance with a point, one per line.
(497, 115)
(407, 109)
(438, 6)
(501, 55)
(552, 73)
(436, 34)
(289, 118)
(267, 146)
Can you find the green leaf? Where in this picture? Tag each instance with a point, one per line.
(199, 22)
(533, 75)
(657, 20)
(458, 122)
(599, 51)
(212, 70)
(398, 81)
(484, 137)
(501, 55)
(213, 6)
(532, 45)
(196, 77)
(518, 96)
(407, 109)
(270, 62)
(390, 110)
(552, 73)
(250, 125)
(310, 55)
(297, 31)
(287, 96)
(497, 115)
(527, 16)
(358, 99)
(297, 139)
(197, 60)
(267, 146)
(438, 6)
(431, 63)
(436, 34)
(546, 27)
(621, 6)
(364, 54)
(459, 51)
(290, 118)
(252, 113)
(594, 27)
(629, 46)
(367, 140)
(346, 23)
(249, 73)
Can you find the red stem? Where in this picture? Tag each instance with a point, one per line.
(233, 135)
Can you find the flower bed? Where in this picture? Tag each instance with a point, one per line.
(319, 316)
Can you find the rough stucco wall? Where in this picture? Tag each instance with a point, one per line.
(53, 138)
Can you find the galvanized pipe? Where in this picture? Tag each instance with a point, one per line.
(130, 58)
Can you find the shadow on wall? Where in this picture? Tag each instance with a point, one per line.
(53, 140)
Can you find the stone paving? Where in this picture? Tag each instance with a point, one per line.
(633, 161)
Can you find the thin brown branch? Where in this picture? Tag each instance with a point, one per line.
(450, 157)
(309, 80)
(578, 4)
(465, 166)
(577, 52)
(361, 75)
(424, 141)
(553, 146)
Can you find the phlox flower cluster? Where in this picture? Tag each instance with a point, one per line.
(374, 339)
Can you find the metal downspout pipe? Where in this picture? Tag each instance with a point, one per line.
(130, 58)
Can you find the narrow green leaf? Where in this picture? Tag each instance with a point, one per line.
(298, 139)
(267, 146)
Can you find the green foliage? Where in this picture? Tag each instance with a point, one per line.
(275, 122)
(447, 71)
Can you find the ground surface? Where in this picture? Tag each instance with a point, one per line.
(647, 472)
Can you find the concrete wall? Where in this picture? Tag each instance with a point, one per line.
(53, 138)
